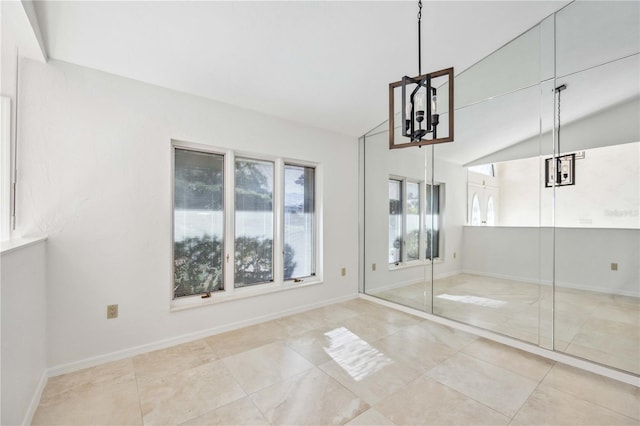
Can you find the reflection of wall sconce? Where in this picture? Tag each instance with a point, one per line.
(560, 171)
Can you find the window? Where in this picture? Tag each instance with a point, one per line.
(299, 222)
(260, 230)
(412, 245)
(198, 223)
(414, 221)
(254, 222)
(5, 167)
(475, 211)
(491, 219)
(432, 222)
(395, 221)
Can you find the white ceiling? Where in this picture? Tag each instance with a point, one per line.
(324, 64)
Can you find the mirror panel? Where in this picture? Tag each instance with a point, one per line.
(592, 33)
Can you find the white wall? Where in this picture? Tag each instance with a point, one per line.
(583, 256)
(606, 193)
(24, 330)
(415, 164)
(95, 176)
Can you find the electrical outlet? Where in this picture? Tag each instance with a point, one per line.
(112, 311)
(344, 271)
(373, 266)
(614, 266)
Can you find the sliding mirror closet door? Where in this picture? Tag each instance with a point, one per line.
(396, 189)
(596, 180)
(489, 270)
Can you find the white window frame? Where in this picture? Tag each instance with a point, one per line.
(422, 259)
(230, 292)
(316, 228)
(5, 155)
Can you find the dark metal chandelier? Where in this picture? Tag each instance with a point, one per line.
(419, 107)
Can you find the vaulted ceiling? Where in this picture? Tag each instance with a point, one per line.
(324, 64)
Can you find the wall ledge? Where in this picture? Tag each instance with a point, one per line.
(19, 243)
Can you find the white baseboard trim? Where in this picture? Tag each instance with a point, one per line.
(35, 399)
(411, 282)
(185, 338)
(559, 284)
(526, 280)
(514, 343)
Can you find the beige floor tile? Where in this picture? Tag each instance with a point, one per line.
(244, 339)
(187, 394)
(371, 417)
(240, 412)
(496, 387)
(548, 406)
(406, 348)
(121, 370)
(331, 313)
(437, 333)
(427, 402)
(315, 344)
(395, 318)
(369, 373)
(369, 328)
(520, 362)
(362, 306)
(112, 402)
(266, 365)
(596, 389)
(172, 360)
(312, 398)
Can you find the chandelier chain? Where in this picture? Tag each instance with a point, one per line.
(419, 38)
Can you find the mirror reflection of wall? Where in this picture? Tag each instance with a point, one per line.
(515, 252)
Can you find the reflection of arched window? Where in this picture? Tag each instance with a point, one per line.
(475, 211)
(491, 219)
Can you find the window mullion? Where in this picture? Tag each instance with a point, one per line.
(422, 190)
(278, 225)
(229, 228)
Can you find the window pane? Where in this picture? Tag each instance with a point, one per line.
(475, 211)
(253, 222)
(432, 222)
(395, 221)
(413, 221)
(491, 219)
(198, 222)
(299, 235)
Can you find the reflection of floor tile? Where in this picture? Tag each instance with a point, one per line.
(599, 327)
(548, 406)
(427, 402)
(309, 398)
(500, 389)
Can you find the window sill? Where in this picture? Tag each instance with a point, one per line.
(15, 244)
(190, 302)
(414, 264)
